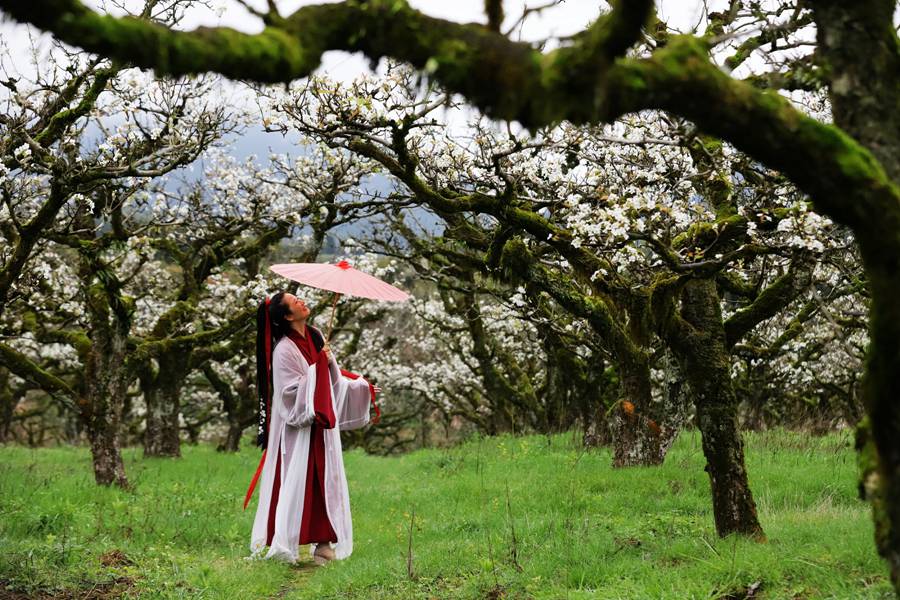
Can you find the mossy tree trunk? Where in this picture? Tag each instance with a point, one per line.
(859, 47)
(162, 383)
(147, 376)
(882, 384)
(232, 441)
(559, 396)
(106, 371)
(8, 401)
(643, 428)
(698, 340)
(676, 403)
(106, 381)
(635, 434)
(503, 393)
(240, 415)
(163, 433)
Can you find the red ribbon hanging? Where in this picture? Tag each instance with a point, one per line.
(253, 481)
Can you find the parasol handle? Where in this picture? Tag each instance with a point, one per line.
(331, 321)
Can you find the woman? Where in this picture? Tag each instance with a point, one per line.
(303, 495)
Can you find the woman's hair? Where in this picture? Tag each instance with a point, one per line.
(271, 326)
(278, 310)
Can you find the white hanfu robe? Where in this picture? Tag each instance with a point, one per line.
(293, 385)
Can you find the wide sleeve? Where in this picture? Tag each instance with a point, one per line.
(352, 395)
(297, 384)
(355, 412)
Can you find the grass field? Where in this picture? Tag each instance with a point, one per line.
(508, 517)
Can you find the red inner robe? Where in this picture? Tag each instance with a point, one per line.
(315, 526)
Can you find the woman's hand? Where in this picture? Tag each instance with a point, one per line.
(327, 350)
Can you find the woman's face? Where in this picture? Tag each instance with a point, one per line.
(297, 309)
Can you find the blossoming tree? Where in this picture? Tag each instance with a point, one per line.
(647, 215)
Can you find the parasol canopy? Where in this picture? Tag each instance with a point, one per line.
(340, 278)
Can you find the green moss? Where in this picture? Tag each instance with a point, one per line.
(63, 118)
(681, 55)
(127, 304)
(712, 145)
(856, 163)
(515, 260)
(29, 320)
(179, 311)
(737, 58)
(23, 367)
(275, 54)
(694, 233)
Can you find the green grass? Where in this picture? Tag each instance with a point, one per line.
(582, 529)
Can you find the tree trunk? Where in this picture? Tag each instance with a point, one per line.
(858, 44)
(593, 399)
(563, 371)
(152, 420)
(881, 448)
(504, 389)
(635, 433)
(106, 454)
(597, 429)
(576, 390)
(170, 398)
(232, 441)
(733, 505)
(676, 401)
(162, 437)
(707, 366)
(8, 402)
(106, 380)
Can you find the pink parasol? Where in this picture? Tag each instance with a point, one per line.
(340, 278)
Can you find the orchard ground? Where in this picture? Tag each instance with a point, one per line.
(505, 517)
